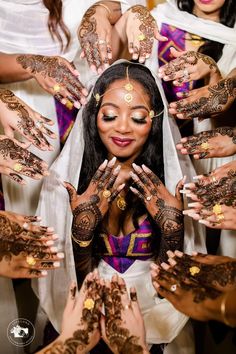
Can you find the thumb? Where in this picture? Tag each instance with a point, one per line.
(176, 53)
(71, 191)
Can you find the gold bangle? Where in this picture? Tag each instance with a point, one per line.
(105, 7)
(223, 310)
(81, 243)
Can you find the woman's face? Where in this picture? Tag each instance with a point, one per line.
(208, 9)
(124, 127)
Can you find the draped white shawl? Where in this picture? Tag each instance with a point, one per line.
(55, 210)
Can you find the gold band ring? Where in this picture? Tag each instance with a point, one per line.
(194, 270)
(141, 37)
(30, 260)
(17, 167)
(205, 146)
(56, 88)
(220, 218)
(106, 193)
(217, 209)
(89, 304)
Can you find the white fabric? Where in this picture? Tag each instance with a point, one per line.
(54, 207)
(169, 13)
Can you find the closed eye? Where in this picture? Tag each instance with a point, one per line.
(139, 120)
(108, 117)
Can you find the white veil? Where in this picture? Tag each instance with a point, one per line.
(55, 210)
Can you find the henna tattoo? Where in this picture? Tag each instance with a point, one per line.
(15, 239)
(89, 37)
(87, 324)
(10, 150)
(189, 58)
(219, 96)
(86, 217)
(194, 142)
(16, 177)
(26, 124)
(119, 337)
(147, 28)
(170, 221)
(221, 191)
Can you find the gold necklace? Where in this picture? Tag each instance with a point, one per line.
(195, 40)
(121, 202)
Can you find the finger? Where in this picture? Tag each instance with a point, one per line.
(155, 180)
(113, 177)
(107, 172)
(71, 191)
(136, 192)
(70, 303)
(31, 273)
(9, 132)
(116, 192)
(96, 178)
(179, 186)
(158, 36)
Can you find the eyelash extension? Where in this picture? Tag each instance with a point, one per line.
(139, 121)
(108, 118)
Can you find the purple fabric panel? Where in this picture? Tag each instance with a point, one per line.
(65, 118)
(176, 39)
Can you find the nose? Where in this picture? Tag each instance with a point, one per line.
(123, 125)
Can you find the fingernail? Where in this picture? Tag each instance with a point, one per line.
(60, 255)
(49, 243)
(53, 249)
(44, 272)
(56, 264)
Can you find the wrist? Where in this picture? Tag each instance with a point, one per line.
(21, 60)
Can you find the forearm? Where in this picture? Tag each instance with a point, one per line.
(11, 70)
(61, 345)
(84, 261)
(112, 9)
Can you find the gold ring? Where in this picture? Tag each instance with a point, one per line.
(38, 124)
(141, 37)
(194, 270)
(17, 167)
(89, 304)
(56, 88)
(205, 146)
(106, 193)
(220, 217)
(30, 260)
(217, 209)
(69, 104)
(149, 198)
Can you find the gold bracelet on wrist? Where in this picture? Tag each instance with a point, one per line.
(223, 310)
(105, 7)
(81, 243)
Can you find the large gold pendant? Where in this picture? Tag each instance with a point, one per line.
(121, 203)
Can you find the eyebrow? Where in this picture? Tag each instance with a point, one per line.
(132, 108)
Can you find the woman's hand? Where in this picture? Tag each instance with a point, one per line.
(186, 295)
(141, 31)
(95, 37)
(89, 208)
(189, 66)
(26, 249)
(17, 116)
(220, 142)
(56, 76)
(81, 317)
(165, 208)
(207, 101)
(16, 160)
(122, 326)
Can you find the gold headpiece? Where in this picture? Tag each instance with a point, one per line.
(128, 97)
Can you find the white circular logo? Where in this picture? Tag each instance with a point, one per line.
(20, 332)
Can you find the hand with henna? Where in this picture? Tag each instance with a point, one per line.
(188, 66)
(56, 76)
(17, 116)
(89, 208)
(95, 34)
(16, 160)
(220, 142)
(26, 249)
(196, 285)
(207, 101)
(141, 31)
(81, 318)
(122, 326)
(165, 209)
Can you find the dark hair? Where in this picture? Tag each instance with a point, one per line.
(95, 152)
(55, 22)
(227, 18)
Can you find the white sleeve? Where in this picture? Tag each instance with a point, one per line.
(126, 4)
